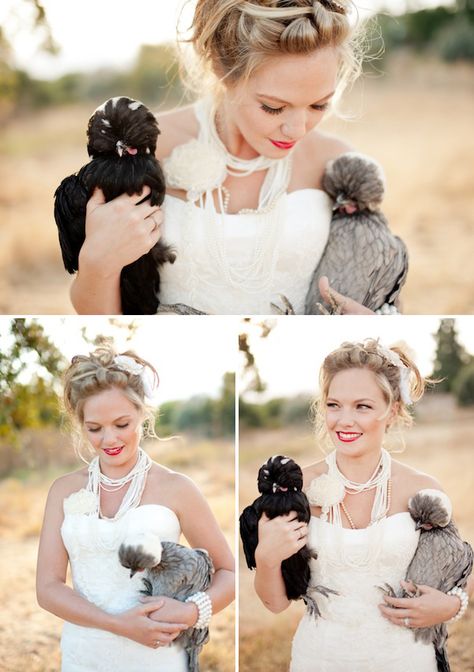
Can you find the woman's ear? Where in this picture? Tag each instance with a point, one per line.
(393, 413)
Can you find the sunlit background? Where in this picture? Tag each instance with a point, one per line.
(109, 33)
(290, 357)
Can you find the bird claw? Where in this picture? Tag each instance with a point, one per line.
(311, 606)
(178, 309)
(336, 308)
(288, 308)
(324, 591)
(412, 590)
(387, 589)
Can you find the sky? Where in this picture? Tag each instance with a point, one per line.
(107, 33)
(290, 357)
(189, 361)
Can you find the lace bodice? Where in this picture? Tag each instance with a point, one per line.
(92, 545)
(352, 634)
(292, 243)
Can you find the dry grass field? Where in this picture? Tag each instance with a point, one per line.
(29, 636)
(439, 444)
(417, 121)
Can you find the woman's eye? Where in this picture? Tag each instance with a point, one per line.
(331, 405)
(93, 429)
(320, 108)
(122, 426)
(363, 406)
(271, 110)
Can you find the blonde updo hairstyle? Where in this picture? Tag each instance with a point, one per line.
(370, 355)
(233, 38)
(91, 374)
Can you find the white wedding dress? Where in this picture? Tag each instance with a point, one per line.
(92, 544)
(352, 635)
(238, 263)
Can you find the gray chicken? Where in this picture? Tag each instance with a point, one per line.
(172, 570)
(442, 560)
(363, 260)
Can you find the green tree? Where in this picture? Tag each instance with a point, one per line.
(30, 365)
(451, 356)
(464, 386)
(224, 407)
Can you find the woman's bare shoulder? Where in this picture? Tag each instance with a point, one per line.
(409, 480)
(312, 471)
(68, 483)
(177, 126)
(316, 149)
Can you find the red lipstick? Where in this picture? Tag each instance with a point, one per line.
(348, 437)
(113, 451)
(283, 145)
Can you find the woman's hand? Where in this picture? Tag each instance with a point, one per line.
(136, 624)
(429, 608)
(343, 304)
(173, 611)
(119, 232)
(279, 538)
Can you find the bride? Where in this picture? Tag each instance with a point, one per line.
(245, 210)
(360, 526)
(89, 511)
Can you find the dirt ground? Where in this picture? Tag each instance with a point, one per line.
(29, 636)
(417, 122)
(440, 444)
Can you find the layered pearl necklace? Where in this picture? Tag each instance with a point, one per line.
(136, 477)
(380, 480)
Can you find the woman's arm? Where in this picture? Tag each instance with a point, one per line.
(201, 531)
(278, 539)
(117, 233)
(55, 596)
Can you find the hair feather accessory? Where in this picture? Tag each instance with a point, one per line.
(131, 366)
(394, 358)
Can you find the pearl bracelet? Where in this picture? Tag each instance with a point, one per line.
(387, 309)
(204, 605)
(464, 597)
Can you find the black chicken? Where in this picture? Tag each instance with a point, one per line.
(122, 135)
(280, 480)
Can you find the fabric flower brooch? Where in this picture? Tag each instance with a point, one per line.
(80, 503)
(325, 491)
(195, 167)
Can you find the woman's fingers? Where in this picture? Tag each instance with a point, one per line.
(340, 303)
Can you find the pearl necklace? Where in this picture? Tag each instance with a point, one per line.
(389, 499)
(380, 479)
(136, 477)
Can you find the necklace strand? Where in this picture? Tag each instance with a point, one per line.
(136, 477)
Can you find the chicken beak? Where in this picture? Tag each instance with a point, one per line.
(132, 573)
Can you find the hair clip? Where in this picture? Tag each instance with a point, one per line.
(333, 6)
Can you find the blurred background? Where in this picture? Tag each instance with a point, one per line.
(278, 380)
(412, 111)
(196, 407)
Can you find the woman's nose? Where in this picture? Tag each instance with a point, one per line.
(346, 419)
(109, 436)
(295, 126)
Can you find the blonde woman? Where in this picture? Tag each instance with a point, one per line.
(360, 525)
(245, 210)
(89, 511)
